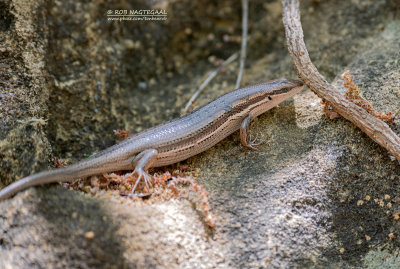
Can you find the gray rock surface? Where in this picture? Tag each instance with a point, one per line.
(317, 194)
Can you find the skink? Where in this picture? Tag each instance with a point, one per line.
(175, 140)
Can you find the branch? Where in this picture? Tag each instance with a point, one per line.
(245, 12)
(245, 15)
(207, 81)
(376, 129)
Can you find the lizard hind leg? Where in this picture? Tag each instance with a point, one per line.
(142, 162)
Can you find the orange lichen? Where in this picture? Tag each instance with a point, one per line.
(58, 163)
(354, 95)
(122, 134)
(328, 110)
(209, 217)
(165, 186)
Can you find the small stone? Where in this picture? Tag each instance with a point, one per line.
(188, 31)
(129, 44)
(89, 235)
(86, 189)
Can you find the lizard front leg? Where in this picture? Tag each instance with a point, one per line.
(142, 162)
(244, 133)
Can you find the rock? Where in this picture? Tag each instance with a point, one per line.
(293, 203)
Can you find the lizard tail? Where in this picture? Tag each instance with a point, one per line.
(57, 175)
(91, 166)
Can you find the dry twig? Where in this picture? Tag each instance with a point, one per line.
(207, 81)
(227, 61)
(243, 49)
(376, 129)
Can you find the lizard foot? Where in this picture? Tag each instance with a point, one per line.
(141, 173)
(255, 142)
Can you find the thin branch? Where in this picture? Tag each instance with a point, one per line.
(245, 15)
(208, 79)
(227, 61)
(376, 129)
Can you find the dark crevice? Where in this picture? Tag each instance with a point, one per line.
(6, 18)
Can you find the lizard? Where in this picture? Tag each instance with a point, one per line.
(175, 140)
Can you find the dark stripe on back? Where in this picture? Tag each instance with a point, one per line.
(211, 127)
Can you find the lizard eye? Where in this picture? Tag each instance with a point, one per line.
(269, 98)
